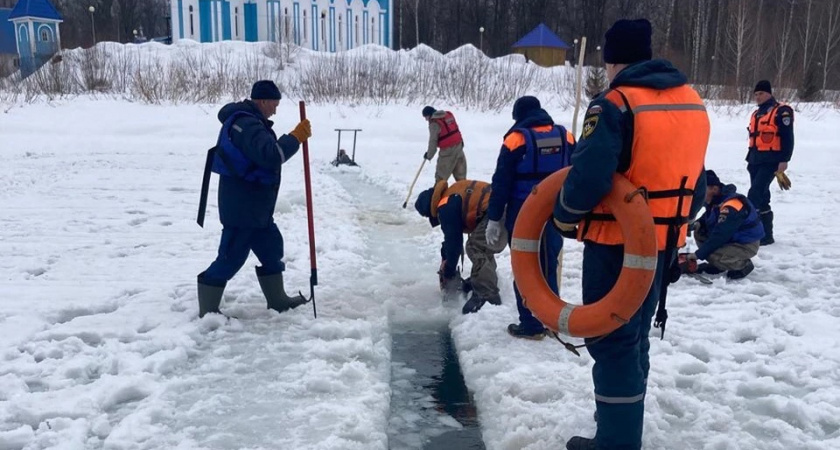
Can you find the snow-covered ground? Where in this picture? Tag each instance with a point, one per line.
(100, 346)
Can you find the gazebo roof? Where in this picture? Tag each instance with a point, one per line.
(541, 36)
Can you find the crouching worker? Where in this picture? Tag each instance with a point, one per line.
(461, 209)
(343, 159)
(728, 233)
(248, 158)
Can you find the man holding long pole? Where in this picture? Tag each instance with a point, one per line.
(248, 157)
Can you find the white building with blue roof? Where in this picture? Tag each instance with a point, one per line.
(323, 25)
(34, 31)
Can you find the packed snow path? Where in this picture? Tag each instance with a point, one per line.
(99, 346)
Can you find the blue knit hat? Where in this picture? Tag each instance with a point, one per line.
(628, 41)
(428, 111)
(524, 105)
(265, 90)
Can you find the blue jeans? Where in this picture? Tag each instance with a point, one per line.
(621, 358)
(550, 246)
(236, 244)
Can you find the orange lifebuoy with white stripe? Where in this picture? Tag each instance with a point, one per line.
(630, 290)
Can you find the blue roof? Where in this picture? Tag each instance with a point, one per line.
(541, 37)
(7, 33)
(41, 9)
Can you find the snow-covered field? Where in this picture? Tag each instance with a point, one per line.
(100, 346)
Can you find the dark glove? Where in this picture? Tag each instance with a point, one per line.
(567, 230)
(302, 131)
(426, 156)
(694, 227)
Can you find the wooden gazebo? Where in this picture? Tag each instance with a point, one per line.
(542, 46)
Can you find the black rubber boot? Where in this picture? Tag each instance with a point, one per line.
(767, 222)
(275, 294)
(738, 274)
(209, 297)
(708, 269)
(518, 331)
(581, 443)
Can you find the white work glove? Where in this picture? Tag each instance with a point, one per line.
(494, 233)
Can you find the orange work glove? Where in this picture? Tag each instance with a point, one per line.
(302, 131)
(784, 181)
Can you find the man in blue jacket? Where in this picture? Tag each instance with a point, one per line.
(728, 233)
(533, 149)
(248, 159)
(651, 127)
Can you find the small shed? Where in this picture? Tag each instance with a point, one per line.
(542, 46)
(36, 32)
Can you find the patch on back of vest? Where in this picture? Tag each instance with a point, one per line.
(549, 151)
(589, 126)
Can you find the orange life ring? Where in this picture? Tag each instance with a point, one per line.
(634, 282)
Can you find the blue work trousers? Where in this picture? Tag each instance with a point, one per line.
(621, 358)
(236, 244)
(761, 177)
(550, 246)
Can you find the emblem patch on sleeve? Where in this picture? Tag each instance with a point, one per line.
(593, 110)
(786, 121)
(589, 126)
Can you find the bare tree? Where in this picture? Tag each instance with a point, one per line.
(416, 22)
(806, 33)
(719, 26)
(759, 56)
(784, 45)
(831, 38)
(738, 32)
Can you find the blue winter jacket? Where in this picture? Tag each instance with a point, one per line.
(729, 225)
(244, 204)
(511, 181)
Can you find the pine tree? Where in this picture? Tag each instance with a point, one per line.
(810, 89)
(596, 81)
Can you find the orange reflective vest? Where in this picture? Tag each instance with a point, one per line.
(764, 134)
(475, 197)
(449, 134)
(667, 150)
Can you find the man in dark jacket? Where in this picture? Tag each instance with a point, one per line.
(462, 209)
(652, 128)
(533, 149)
(770, 150)
(729, 231)
(248, 158)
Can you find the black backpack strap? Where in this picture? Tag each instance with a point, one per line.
(205, 187)
(671, 242)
